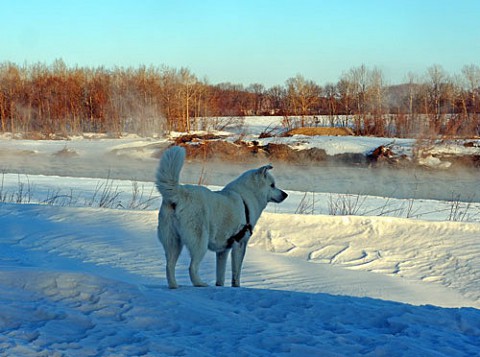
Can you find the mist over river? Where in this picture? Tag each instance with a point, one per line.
(384, 181)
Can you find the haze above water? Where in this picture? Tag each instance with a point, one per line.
(416, 183)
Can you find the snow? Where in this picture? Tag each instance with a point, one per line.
(84, 281)
(384, 276)
(431, 161)
(336, 145)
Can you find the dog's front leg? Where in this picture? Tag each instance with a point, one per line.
(221, 266)
(238, 253)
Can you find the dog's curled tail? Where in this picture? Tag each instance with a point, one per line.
(168, 171)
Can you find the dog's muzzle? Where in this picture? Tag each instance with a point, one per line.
(281, 198)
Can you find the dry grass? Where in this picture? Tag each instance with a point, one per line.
(322, 131)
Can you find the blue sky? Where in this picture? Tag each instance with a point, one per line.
(264, 41)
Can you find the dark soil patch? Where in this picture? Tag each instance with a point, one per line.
(284, 153)
(195, 138)
(220, 150)
(241, 151)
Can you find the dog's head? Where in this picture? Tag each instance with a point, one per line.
(273, 193)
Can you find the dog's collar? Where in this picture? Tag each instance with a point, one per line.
(246, 228)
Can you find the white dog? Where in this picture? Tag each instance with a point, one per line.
(201, 219)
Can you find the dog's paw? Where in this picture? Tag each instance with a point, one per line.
(200, 284)
(172, 286)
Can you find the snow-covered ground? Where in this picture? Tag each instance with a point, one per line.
(84, 281)
(326, 274)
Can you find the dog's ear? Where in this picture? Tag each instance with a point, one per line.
(263, 170)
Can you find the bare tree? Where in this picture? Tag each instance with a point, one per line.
(409, 123)
(259, 95)
(303, 95)
(412, 86)
(55, 98)
(332, 95)
(277, 99)
(10, 92)
(345, 92)
(356, 81)
(187, 91)
(376, 101)
(200, 102)
(169, 97)
(364, 92)
(435, 86)
(472, 78)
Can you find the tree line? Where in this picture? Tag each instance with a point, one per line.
(56, 98)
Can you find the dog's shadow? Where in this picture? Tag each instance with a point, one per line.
(281, 321)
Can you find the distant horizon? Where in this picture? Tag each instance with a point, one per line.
(421, 77)
(245, 42)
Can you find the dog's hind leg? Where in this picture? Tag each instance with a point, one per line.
(221, 266)
(171, 242)
(193, 270)
(172, 252)
(238, 253)
(197, 252)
